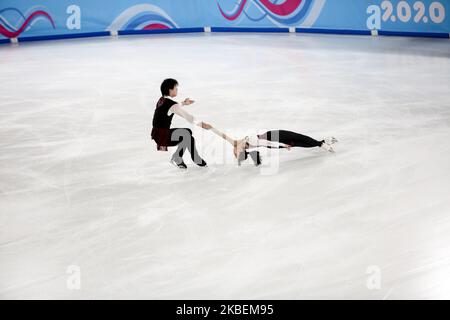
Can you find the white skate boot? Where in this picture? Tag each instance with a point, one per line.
(327, 147)
(330, 140)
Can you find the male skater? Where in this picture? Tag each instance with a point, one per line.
(165, 136)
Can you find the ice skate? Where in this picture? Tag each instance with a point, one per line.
(179, 163)
(330, 140)
(202, 164)
(327, 147)
(242, 156)
(256, 157)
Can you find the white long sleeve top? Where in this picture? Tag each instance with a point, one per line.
(179, 110)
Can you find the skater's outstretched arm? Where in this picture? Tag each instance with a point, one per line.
(238, 145)
(178, 110)
(224, 136)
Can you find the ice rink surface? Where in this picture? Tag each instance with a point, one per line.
(84, 195)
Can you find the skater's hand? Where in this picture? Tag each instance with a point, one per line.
(206, 126)
(187, 102)
(288, 147)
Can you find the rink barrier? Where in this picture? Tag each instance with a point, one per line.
(245, 29)
(228, 29)
(159, 31)
(64, 36)
(413, 34)
(334, 31)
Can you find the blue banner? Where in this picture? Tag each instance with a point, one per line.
(24, 18)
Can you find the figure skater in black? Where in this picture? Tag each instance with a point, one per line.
(278, 139)
(165, 136)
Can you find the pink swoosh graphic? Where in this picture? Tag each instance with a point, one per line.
(237, 14)
(154, 26)
(14, 34)
(283, 9)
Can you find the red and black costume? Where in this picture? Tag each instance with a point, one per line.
(165, 136)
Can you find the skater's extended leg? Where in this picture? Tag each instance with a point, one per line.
(291, 138)
(295, 139)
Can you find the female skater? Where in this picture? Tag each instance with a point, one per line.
(272, 139)
(278, 139)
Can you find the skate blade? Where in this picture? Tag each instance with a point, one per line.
(179, 168)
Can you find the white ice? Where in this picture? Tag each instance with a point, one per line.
(82, 185)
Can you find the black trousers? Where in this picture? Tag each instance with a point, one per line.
(291, 138)
(182, 137)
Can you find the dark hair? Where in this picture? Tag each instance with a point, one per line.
(168, 84)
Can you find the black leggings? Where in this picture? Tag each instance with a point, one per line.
(293, 139)
(184, 139)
